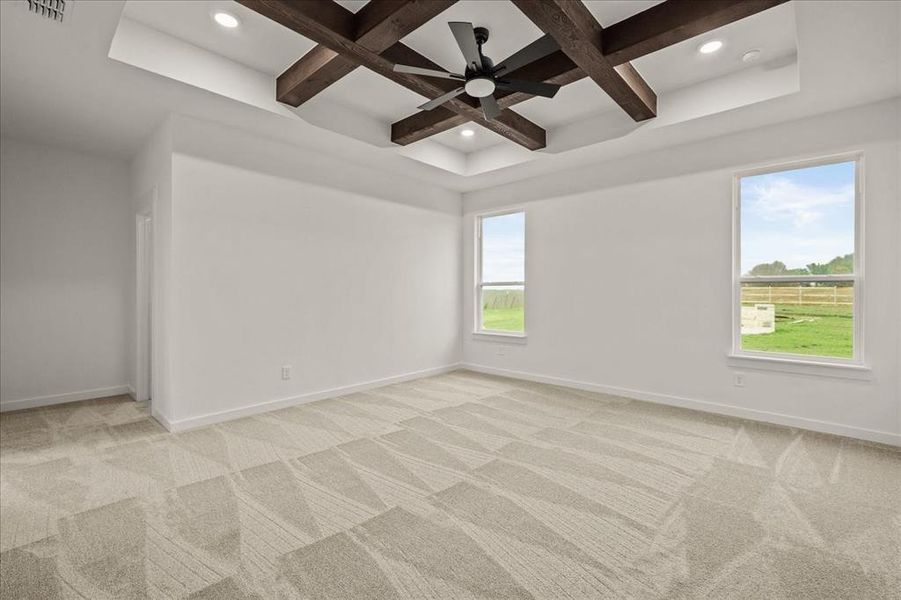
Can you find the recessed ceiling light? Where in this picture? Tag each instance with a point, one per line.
(710, 47)
(750, 55)
(467, 133)
(226, 20)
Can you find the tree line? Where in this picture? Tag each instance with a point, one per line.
(840, 265)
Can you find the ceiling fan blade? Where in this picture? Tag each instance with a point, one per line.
(426, 72)
(536, 88)
(441, 99)
(490, 107)
(466, 39)
(538, 49)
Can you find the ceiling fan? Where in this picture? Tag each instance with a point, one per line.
(482, 77)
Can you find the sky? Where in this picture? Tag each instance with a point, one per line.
(503, 247)
(797, 217)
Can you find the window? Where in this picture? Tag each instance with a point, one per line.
(798, 262)
(501, 274)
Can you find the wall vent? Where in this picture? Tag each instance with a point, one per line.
(52, 9)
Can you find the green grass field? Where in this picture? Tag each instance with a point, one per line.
(503, 319)
(821, 330)
(812, 329)
(502, 309)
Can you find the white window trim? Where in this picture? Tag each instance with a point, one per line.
(854, 367)
(495, 335)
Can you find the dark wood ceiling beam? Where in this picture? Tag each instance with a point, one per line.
(580, 37)
(311, 74)
(423, 124)
(376, 27)
(379, 25)
(672, 22)
(306, 18)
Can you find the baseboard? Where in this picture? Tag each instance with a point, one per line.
(161, 419)
(37, 401)
(871, 435)
(269, 405)
(132, 393)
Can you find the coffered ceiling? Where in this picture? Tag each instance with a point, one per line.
(103, 79)
(363, 103)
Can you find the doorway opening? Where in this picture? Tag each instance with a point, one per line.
(144, 307)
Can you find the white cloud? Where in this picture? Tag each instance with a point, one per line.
(503, 259)
(781, 199)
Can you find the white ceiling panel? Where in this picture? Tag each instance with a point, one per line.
(257, 42)
(678, 66)
(482, 138)
(772, 32)
(369, 92)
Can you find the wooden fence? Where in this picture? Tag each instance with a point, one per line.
(798, 295)
(503, 298)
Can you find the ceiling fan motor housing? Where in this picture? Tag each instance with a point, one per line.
(480, 82)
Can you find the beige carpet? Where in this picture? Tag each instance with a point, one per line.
(456, 486)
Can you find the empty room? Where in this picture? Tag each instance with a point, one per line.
(439, 299)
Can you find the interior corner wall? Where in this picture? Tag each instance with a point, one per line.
(65, 248)
(629, 278)
(151, 195)
(347, 289)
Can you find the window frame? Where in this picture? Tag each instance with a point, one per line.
(479, 330)
(857, 361)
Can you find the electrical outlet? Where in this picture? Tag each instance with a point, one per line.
(286, 372)
(738, 380)
(501, 350)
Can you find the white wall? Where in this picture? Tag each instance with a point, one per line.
(269, 272)
(65, 248)
(629, 284)
(264, 254)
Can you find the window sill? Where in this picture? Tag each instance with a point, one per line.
(801, 366)
(498, 337)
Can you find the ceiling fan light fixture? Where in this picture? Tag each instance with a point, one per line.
(480, 87)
